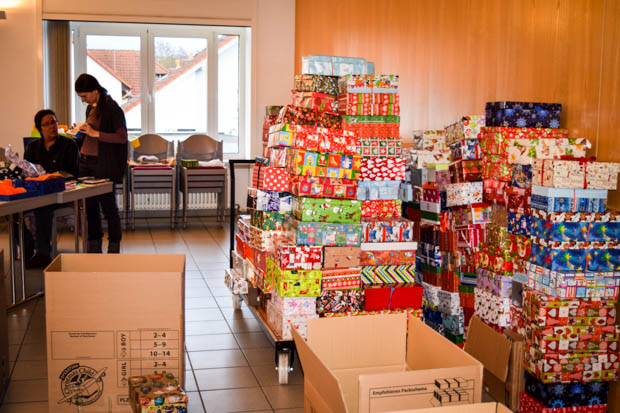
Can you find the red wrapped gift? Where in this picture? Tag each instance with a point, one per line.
(450, 281)
(389, 253)
(521, 246)
(528, 404)
(299, 257)
(518, 199)
(260, 259)
(383, 169)
(321, 187)
(372, 130)
(382, 208)
(393, 297)
(494, 192)
(317, 101)
(277, 157)
(467, 301)
(297, 115)
(341, 279)
(466, 170)
(270, 179)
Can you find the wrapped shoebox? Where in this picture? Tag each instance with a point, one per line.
(518, 200)
(239, 264)
(581, 174)
(422, 158)
(519, 224)
(472, 214)
(369, 98)
(387, 230)
(464, 193)
(264, 240)
(327, 210)
(367, 109)
(450, 280)
(388, 274)
(575, 255)
(341, 257)
(566, 339)
(410, 312)
(317, 83)
(466, 170)
(467, 127)
(299, 257)
(382, 169)
(294, 305)
(381, 209)
(389, 253)
(496, 167)
(269, 200)
(466, 149)
(495, 284)
(498, 236)
(321, 187)
(575, 226)
(328, 165)
(573, 284)
(379, 147)
(295, 115)
(294, 283)
(235, 282)
(283, 323)
(529, 404)
(342, 278)
(316, 101)
(155, 393)
(372, 126)
(431, 294)
(494, 191)
(449, 302)
(270, 179)
(312, 138)
(524, 151)
(454, 323)
(522, 176)
(336, 65)
(492, 309)
(353, 83)
(268, 220)
(520, 246)
(277, 157)
(569, 200)
(503, 132)
(324, 233)
(430, 140)
(378, 190)
(585, 367)
(340, 301)
(543, 310)
(392, 296)
(523, 114)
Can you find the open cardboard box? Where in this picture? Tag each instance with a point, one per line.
(110, 317)
(469, 408)
(383, 363)
(502, 356)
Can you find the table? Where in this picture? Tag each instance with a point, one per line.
(75, 195)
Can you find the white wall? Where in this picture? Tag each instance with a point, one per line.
(21, 79)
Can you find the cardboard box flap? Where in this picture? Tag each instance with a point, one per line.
(463, 408)
(325, 384)
(488, 346)
(425, 344)
(68, 263)
(359, 342)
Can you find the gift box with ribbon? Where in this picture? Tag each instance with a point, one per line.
(575, 173)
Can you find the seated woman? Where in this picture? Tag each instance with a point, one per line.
(55, 154)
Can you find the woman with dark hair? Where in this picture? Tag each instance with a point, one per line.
(55, 154)
(104, 156)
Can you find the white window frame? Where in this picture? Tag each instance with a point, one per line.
(147, 33)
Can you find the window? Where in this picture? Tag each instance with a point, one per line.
(171, 80)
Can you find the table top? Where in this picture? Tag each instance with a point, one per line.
(85, 191)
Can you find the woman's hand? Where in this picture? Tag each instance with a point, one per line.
(87, 129)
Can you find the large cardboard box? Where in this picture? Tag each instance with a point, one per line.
(502, 357)
(469, 408)
(383, 363)
(4, 333)
(110, 317)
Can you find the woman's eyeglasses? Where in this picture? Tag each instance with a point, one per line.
(50, 123)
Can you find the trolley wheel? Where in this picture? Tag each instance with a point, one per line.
(283, 366)
(236, 301)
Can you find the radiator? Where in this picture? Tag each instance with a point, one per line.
(161, 202)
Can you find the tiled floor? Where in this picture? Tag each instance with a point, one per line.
(229, 361)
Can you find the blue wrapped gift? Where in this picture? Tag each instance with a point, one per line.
(523, 114)
(378, 190)
(519, 224)
(336, 65)
(521, 176)
(568, 200)
(575, 256)
(575, 226)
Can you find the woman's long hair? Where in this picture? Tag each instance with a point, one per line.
(87, 83)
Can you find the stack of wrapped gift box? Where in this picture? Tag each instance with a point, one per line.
(370, 106)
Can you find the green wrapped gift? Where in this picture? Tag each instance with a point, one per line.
(294, 283)
(327, 210)
(268, 220)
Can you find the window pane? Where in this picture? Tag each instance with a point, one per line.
(180, 85)
(115, 62)
(228, 92)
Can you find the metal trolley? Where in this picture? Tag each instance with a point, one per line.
(285, 349)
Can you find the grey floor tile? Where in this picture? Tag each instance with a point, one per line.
(268, 375)
(244, 325)
(203, 314)
(211, 342)
(222, 291)
(232, 314)
(196, 328)
(217, 359)
(200, 302)
(190, 381)
(194, 403)
(225, 378)
(253, 340)
(260, 356)
(198, 292)
(235, 400)
(285, 397)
